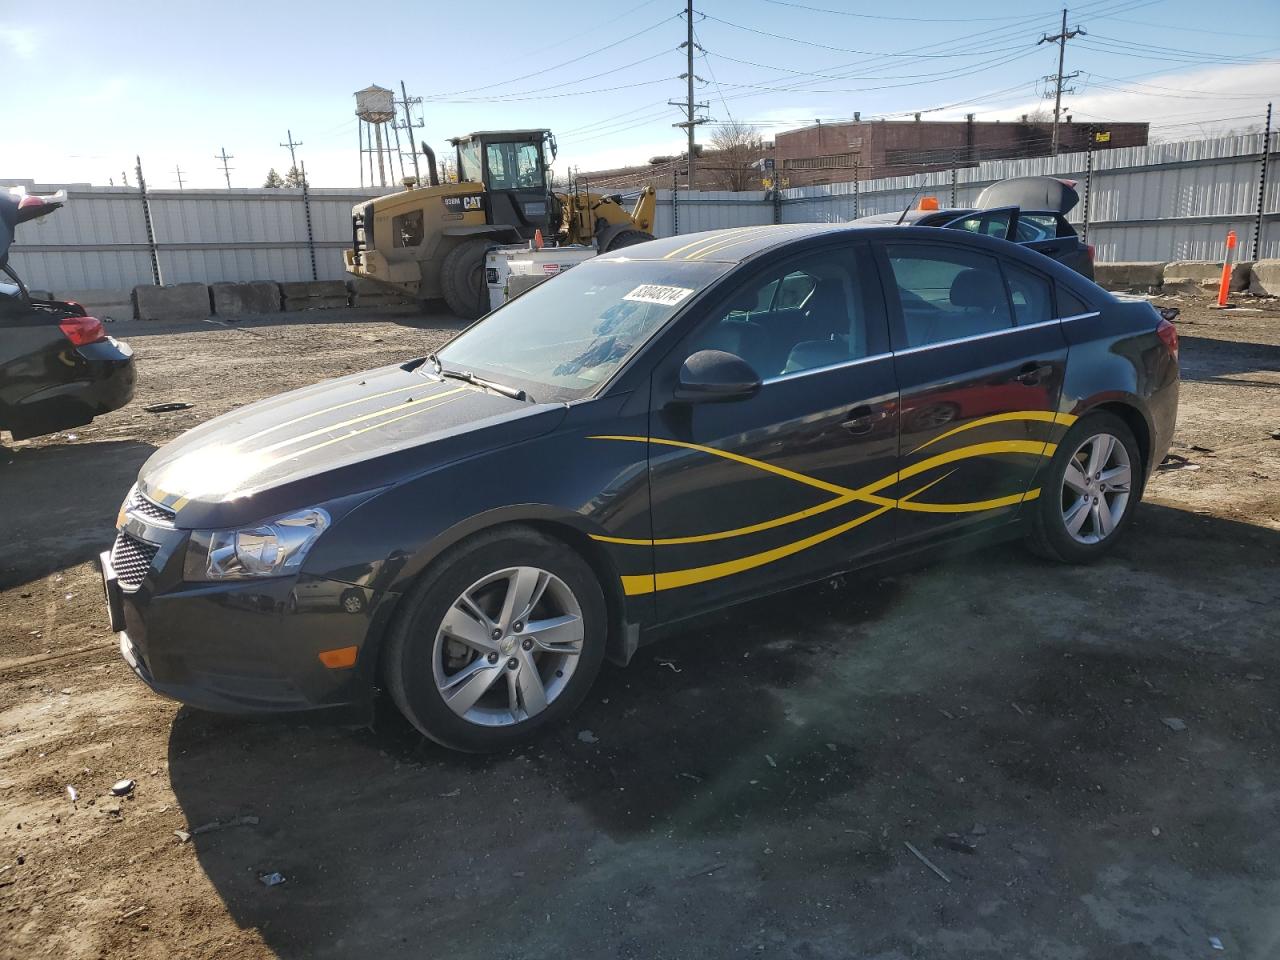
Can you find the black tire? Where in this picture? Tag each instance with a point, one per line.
(1047, 533)
(628, 238)
(409, 659)
(462, 279)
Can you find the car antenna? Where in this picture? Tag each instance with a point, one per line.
(907, 209)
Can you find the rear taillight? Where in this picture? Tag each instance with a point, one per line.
(1167, 332)
(82, 330)
(1093, 252)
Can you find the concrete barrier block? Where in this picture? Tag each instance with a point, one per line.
(1264, 278)
(181, 301)
(1131, 275)
(366, 287)
(378, 300)
(1178, 270)
(235, 299)
(103, 304)
(314, 303)
(308, 289)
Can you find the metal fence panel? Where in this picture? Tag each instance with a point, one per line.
(1159, 202)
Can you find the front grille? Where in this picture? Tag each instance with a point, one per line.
(131, 559)
(140, 506)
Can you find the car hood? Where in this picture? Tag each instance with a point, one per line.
(1030, 193)
(330, 440)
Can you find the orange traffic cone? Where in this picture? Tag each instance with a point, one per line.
(537, 239)
(1224, 287)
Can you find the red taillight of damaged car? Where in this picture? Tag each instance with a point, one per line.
(1167, 332)
(82, 331)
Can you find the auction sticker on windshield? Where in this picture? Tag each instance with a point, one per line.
(655, 293)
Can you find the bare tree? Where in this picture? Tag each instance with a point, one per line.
(737, 148)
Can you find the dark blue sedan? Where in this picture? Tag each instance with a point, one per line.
(654, 434)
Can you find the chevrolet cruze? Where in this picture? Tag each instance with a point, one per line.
(656, 433)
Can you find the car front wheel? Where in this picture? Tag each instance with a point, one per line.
(503, 637)
(1090, 491)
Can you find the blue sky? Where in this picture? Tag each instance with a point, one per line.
(96, 83)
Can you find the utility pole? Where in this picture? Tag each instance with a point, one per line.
(1060, 39)
(408, 103)
(226, 171)
(691, 107)
(291, 144)
(178, 169)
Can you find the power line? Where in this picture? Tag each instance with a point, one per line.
(555, 96)
(535, 73)
(226, 171)
(178, 170)
(875, 16)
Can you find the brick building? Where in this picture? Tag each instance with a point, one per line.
(831, 152)
(868, 150)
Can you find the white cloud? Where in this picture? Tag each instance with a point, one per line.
(21, 41)
(1204, 102)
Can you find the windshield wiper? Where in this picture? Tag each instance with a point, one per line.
(469, 377)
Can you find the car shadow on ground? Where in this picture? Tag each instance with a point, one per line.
(60, 504)
(1208, 360)
(754, 776)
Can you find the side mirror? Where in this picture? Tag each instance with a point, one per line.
(713, 376)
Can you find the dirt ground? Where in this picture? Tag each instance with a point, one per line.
(1100, 741)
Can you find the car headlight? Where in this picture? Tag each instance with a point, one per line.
(273, 548)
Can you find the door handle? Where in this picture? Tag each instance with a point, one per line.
(862, 420)
(1032, 373)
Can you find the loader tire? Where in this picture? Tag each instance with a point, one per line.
(627, 238)
(462, 279)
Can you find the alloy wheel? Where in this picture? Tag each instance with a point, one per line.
(1096, 488)
(508, 646)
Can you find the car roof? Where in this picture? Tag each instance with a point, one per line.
(733, 245)
(737, 245)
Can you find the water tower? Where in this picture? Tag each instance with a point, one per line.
(375, 106)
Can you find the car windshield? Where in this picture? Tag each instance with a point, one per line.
(565, 337)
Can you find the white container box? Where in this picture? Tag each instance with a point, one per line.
(530, 266)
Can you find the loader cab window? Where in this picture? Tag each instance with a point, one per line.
(469, 162)
(514, 166)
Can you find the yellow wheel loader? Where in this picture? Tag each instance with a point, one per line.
(430, 241)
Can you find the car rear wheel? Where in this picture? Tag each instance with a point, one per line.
(503, 637)
(1089, 492)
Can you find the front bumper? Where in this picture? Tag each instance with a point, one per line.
(243, 646)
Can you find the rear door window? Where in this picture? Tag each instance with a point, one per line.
(1034, 227)
(947, 293)
(989, 223)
